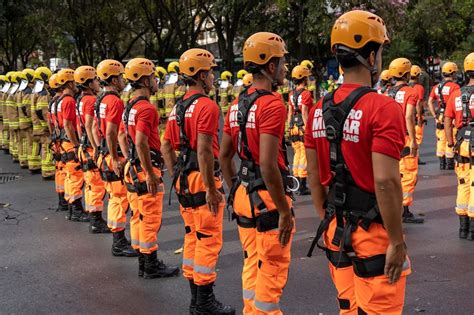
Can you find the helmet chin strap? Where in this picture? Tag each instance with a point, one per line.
(273, 80)
(373, 69)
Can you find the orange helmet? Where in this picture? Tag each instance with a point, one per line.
(137, 68)
(108, 68)
(261, 47)
(399, 67)
(248, 79)
(194, 60)
(357, 28)
(469, 62)
(449, 68)
(415, 71)
(53, 81)
(84, 73)
(65, 76)
(385, 75)
(300, 72)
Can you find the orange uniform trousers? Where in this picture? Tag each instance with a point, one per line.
(374, 295)
(147, 214)
(442, 148)
(266, 262)
(74, 181)
(94, 186)
(60, 176)
(465, 175)
(299, 158)
(409, 174)
(132, 198)
(419, 133)
(203, 238)
(118, 203)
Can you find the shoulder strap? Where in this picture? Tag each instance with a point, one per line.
(334, 116)
(97, 107)
(296, 96)
(245, 103)
(466, 94)
(181, 108)
(440, 93)
(78, 113)
(394, 90)
(56, 105)
(126, 114)
(411, 84)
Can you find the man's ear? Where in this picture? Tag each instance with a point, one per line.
(372, 56)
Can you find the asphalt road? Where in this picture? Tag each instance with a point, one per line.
(51, 266)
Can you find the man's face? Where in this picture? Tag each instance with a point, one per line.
(95, 86)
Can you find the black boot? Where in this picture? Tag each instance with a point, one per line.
(304, 191)
(98, 224)
(420, 162)
(62, 203)
(450, 164)
(463, 226)
(409, 217)
(192, 306)
(77, 212)
(470, 235)
(156, 268)
(121, 247)
(141, 263)
(207, 304)
(442, 163)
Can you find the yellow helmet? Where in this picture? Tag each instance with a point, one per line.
(43, 74)
(263, 46)
(449, 68)
(399, 67)
(108, 68)
(415, 71)
(173, 67)
(20, 76)
(7, 77)
(137, 68)
(226, 75)
(241, 74)
(300, 72)
(247, 80)
(3, 78)
(11, 76)
(385, 75)
(160, 72)
(29, 73)
(308, 64)
(65, 76)
(355, 29)
(469, 62)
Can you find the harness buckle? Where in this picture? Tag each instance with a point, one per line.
(339, 194)
(331, 133)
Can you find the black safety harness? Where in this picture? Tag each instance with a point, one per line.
(106, 173)
(393, 94)
(137, 186)
(466, 133)
(351, 206)
(250, 175)
(57, 136)
(88, 164)
(297, 116)
(39, 112)
(441, 105)
(187, 160)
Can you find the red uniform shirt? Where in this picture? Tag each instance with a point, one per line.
(144, 118)
(448, 89)
(406, 96)
(201, 117)
(454, 108)
(67, 111)
(267, 116)
(305, 99)
(111, 110)
(86, 107)
(375, 124)
(420, 89)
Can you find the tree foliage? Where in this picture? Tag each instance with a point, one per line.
(86, 31)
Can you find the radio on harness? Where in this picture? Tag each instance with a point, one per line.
(297, 117)
(466, 133)
(351, 206)
(441, 106)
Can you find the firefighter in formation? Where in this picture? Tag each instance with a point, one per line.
(113, 130)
